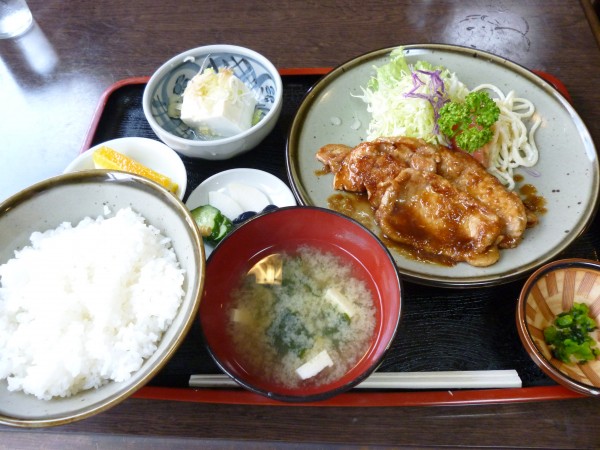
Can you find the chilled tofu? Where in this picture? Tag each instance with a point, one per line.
(340, 301)
(314, 365)
(249, 197)
(217, 104)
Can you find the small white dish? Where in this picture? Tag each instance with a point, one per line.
(149, 152)
(277, 191)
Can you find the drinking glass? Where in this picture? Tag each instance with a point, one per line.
(15, 18)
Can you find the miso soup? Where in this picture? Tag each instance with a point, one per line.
(302, 316)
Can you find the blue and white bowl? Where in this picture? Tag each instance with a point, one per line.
(170, 80)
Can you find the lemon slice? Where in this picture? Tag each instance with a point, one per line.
(107, 158)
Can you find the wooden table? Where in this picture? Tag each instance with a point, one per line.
(52, 78)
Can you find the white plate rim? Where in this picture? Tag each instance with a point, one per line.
(277, 191)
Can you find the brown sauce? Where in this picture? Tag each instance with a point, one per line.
(532, 201)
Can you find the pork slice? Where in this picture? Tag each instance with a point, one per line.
(470, 176)
(362, 168)
(425, 211)
(332, 155)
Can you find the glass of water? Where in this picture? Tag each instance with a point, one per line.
(15, 18)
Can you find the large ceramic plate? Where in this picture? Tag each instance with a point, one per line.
(568, 165)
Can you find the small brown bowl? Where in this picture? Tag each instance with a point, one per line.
(550, 290)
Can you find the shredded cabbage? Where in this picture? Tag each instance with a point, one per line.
(404, 100)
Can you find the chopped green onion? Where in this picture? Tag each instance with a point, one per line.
(569, 338)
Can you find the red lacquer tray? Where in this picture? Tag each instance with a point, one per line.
(419, 345)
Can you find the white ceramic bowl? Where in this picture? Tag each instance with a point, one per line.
(170, 80)
(71, 197)
(149, 152)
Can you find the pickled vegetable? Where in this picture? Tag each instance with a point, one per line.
(108, 158)
(213, 225)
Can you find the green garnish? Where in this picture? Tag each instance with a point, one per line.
(289, 334)
(257, 116)
(469, 123)
(569, 338)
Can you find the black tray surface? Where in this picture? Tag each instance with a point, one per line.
(441, 328)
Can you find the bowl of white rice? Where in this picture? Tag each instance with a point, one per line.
(101, 274)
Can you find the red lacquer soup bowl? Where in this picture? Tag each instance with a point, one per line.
(285, 231)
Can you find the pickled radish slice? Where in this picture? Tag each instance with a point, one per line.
(248, 197)
(226, 204)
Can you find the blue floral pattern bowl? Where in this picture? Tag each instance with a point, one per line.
(166, 86)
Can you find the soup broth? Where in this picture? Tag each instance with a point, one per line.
(302, 317)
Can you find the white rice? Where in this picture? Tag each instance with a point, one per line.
(86, 304)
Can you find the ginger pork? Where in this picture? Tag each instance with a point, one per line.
(435, 199)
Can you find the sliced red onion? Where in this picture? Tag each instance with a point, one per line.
(532, 172)
(437, 96)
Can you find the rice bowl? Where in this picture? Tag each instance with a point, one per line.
(48, 204)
